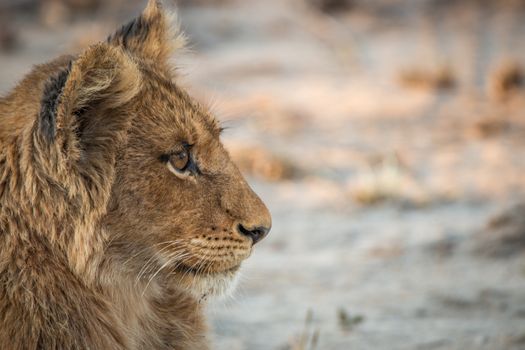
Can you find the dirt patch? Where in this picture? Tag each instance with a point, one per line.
(331, 6)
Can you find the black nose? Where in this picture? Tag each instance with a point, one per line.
(256, 234)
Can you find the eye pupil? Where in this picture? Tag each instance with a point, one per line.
(180, 160)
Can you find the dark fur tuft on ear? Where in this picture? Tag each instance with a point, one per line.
(100, 79)
(50, 101)
(135, 30)
(152, 36)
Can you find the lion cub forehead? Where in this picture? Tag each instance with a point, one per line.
(171, 107)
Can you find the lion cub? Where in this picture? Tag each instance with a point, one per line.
(120, 210)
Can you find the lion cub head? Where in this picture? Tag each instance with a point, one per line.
(177, 210)
(177, 202)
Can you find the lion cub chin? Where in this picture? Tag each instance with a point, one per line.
(120, 209)
(214, 286)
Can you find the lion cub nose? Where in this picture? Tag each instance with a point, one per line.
(256, 233)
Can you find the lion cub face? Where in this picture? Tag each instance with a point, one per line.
(178, 204)
(177, 195)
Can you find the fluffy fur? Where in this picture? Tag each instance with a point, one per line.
(103, 243)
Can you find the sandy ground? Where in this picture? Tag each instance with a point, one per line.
(383, 142)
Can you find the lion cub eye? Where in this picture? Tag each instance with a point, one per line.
(180, 160)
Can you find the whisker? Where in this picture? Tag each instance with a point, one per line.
(151, 260)
(169, 261)
(145, 249)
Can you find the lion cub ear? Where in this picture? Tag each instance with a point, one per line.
(76, 101)
(153, 36)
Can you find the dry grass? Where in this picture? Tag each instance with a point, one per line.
(385, 178)
(309, 337)
(504, 234)
(202, 2)
(56, 13)
(8, 37)
(489, 127)
(381, 181)
(348, 322)
(505, 81)
(440, 77)
(262, 163)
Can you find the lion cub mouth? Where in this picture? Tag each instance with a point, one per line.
(200, 272)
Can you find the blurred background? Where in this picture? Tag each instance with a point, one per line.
(387, 137)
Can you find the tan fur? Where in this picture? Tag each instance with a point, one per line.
(103, 244)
